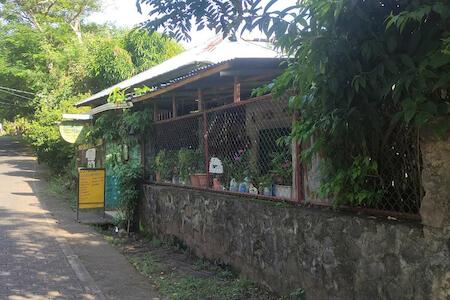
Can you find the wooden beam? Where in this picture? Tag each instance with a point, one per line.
(155, 112)
(237, 90)
(200, 99)
(174, 106)
(184, 82)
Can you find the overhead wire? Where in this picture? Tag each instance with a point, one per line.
(14, 94)
(16, 90)
(13, 104)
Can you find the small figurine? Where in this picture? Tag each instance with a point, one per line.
(252, 189)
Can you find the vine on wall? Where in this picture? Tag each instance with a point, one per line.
(123, 128)
(366, 77)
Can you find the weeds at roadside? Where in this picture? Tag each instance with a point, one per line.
(57, 186)
(181, 287)
(192, 279)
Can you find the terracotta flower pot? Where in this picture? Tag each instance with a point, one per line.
(216, 184)
(158, 177)
(202, 180)
(194, 180)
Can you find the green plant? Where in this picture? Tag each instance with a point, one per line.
(238, 167)
(281, 163)
(360, 73)
(188, 160)
(128, 178)
(135, 123)
(139, 91)
(298, 294)
(164, 163)
(156, 243)
(117, 96)
(354, 185)
(264, 181)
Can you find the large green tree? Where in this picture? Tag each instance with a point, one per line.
(42, 14)
(147, 50)
(366, 76)
(50, 58)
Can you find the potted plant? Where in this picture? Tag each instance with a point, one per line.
(161, 167)
(265, 185)
(238, 171)
(198, 176)
(187, 159)
(217, 185)
(165, 166)
(282, 173)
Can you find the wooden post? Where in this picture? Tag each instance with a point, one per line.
(297, 173)
(174, 107)
(206, 146)
(155, 112)
(200, 99)
(237, 89)
(143, 163)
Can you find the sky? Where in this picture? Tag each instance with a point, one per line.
(123, 13)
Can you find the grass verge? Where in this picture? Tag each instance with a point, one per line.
(178, 275)
(57, 187)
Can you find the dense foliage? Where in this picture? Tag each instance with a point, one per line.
(121, 131)
(50, 58)
(366, 76)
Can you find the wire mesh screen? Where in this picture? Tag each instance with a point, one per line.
(252, 142)
(239, 148)
(179, 148)
(181, 133)
(246, 148)
(400, 171)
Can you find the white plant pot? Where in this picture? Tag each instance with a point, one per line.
(283, 191)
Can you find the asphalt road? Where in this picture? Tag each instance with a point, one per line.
(44, 252)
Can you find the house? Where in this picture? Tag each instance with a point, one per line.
(205, 108)
(220, 168)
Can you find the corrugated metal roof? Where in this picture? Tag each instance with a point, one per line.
(189, 63)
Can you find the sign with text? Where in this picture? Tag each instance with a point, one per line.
(70, 132)
(91, 188)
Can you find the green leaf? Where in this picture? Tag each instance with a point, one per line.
(430, 107)
(407, 61)
(409, 114)
(421, 119)
(391, 44)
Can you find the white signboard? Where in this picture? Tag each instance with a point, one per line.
(90, 156)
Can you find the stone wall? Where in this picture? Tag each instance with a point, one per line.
(330, 255)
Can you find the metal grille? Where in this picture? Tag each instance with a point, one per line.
(173, 135)
(400, 171)
(247, 143)
(251, 141)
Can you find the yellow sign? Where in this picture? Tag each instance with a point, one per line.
(91, 188)
(70, 132)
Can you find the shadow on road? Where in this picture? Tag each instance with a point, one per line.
(37, 231)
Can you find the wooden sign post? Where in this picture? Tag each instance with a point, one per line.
(91, 189)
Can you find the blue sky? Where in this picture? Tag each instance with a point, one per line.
(123, 13)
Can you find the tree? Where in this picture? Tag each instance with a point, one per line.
(44, 69)
(362, 74)
(41, 14)
(147, 50)
(176, 17)
(108, 63)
